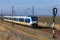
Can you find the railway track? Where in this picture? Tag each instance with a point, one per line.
(33, 31)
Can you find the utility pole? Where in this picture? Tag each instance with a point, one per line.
(12, 15)
(54, 15)
(33, 10)
(1, 15)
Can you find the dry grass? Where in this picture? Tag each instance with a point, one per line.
(8, 36)
(13, 37)
(49, 19)
(43, 20)
(2, 28)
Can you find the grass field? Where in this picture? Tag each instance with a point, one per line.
(49, 19)
(12, 36)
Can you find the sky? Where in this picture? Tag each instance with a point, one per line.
(42, 4)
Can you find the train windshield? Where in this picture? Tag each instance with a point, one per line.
(34, 19)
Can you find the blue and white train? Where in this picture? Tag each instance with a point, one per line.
(24, 20)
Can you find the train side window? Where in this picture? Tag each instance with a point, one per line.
(7, 18)
(21, 19)
(15, 19)
(4, 17)
(18, 19)
(10, 18)
(27, 20)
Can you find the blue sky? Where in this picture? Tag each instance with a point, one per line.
(29, 2)
(6, 4)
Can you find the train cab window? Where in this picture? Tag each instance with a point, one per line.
(21, 19)
(27, 20)
(34, 19)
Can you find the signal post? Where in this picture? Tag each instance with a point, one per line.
(54, 15)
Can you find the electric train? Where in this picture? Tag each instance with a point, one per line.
(31, 21)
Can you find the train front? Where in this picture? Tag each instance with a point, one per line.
(34, 22)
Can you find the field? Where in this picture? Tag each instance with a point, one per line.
(49, 19)
(44, 19)
(18, 32)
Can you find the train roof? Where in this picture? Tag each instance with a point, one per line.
(18, 16)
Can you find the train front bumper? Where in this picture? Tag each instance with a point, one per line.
(34, 25)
